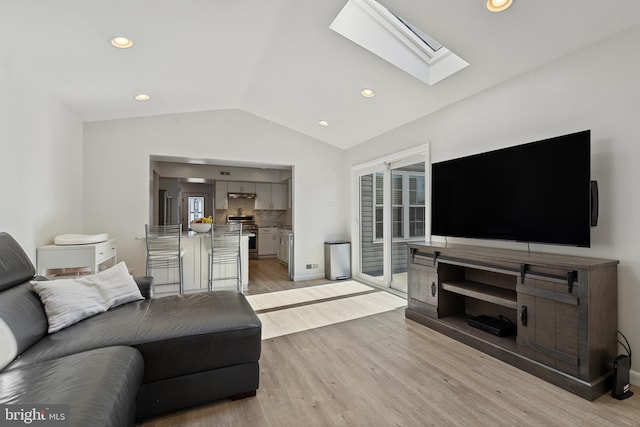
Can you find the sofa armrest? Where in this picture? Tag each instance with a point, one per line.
(145, 284)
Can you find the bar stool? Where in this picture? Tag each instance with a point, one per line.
(165, 252)
(224, 253)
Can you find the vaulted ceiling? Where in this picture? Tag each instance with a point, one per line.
(279, 60)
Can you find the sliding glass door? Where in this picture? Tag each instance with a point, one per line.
(391, 212)
(371, 244)
(408, 217)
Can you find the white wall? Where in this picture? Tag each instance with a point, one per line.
(596, 89)
(116, 186)
(40, 163)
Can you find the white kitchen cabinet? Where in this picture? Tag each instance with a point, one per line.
(263, 196)
(220, 201)
(271, 196)
(283, 246)
(267, 241)
(279, 196)
(224, 187)
(280, 246)
(241, 187)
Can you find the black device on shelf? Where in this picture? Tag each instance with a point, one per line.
(501, 327)
(537, 192)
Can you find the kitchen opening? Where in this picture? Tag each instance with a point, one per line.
(259, 197)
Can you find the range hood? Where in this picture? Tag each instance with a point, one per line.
(241, 195)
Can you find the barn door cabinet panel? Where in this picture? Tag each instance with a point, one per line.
(548, 328)
(423, 284)
(423, 289)
(564, 308)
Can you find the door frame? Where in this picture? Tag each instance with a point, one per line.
(386, 164)
(357, 174)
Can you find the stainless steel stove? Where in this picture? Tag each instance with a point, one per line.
(248, 226)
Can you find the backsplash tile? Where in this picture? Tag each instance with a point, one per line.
(269, 218)
(263, 218)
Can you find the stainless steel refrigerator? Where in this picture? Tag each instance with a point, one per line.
(165, 208)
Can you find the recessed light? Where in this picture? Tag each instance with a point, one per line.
(121, 42)
(323, 123)
(142, 97)
(498, 5)
(367, 93)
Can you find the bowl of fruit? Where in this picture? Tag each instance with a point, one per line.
(202, 225)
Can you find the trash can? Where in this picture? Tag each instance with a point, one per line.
(337, 260)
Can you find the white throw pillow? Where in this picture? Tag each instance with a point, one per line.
(67, 301)
(118, 285)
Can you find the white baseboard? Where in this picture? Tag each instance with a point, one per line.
(310, 276)
(634, 378)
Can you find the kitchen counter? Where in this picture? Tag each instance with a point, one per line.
(196, 262)
(199, 259)
(193, 234)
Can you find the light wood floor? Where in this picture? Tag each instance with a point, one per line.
(386, 370)
(269, 275)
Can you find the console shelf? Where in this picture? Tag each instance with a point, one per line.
(564, 308)
(460, 323)
(504, 297)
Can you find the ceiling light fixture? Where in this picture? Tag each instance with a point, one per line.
(323, 123)
(498, 5)
(367, 93)
(121, 42)
(142, 97)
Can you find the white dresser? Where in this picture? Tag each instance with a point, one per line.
(75, 256)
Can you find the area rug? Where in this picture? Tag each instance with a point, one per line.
(302, 295)
(316, 315)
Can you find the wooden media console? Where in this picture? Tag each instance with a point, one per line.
(565, 308)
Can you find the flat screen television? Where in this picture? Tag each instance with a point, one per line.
(536, 192)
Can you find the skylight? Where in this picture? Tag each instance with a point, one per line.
(425, 38)
(373, 27)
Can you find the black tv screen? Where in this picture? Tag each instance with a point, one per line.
(537, 192)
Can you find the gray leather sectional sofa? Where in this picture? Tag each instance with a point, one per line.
(135, 361)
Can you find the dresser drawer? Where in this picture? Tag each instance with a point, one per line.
(105, 251)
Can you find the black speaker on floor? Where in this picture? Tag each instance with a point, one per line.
(621, 368)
